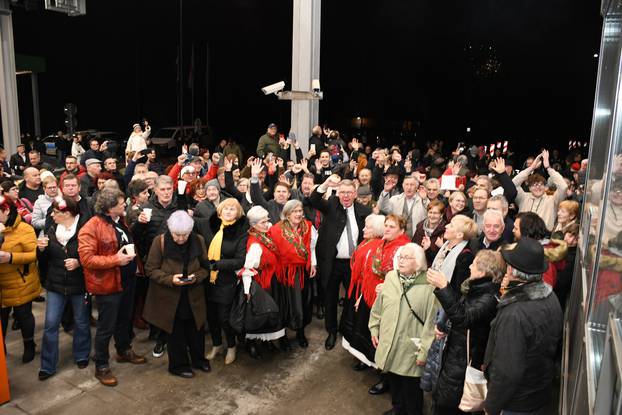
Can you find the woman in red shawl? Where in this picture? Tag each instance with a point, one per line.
(377, 264)
(294, 237)
(351, 318)
(261, 264)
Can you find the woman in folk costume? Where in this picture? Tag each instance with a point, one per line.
(295, 239)
(225, 234)
(373, 267)
(351, 318)
(261, 265)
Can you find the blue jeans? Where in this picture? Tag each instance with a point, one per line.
(81, 332)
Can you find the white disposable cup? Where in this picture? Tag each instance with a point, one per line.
(147, 212)
(181, 187)
(129, 249)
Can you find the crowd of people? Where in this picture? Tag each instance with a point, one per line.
(422, 261)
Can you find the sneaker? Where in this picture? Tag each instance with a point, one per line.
(159, 349)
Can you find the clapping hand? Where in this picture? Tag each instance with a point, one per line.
(436, 278)
(545, 159)
(498, 165)
(228, 164)
(256, 167)
(389, 184)
(455, 169)
(355, 144)
(332, 181)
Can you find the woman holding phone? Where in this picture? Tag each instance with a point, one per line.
(176, 300)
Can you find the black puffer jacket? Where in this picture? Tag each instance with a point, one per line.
(52, 264)
(232, 255)
(473, 311)
(145, 233)
(520, 355)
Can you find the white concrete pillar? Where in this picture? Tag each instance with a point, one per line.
(8, 80)
(305, 66)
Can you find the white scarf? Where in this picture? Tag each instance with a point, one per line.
(446, 265)
(64, 234)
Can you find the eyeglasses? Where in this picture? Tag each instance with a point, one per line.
(344, 193)
(408, 258)
(537, 185)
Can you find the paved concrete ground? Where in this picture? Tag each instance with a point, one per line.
(298, 382)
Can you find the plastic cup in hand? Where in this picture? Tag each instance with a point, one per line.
(44, 239)
(181, 187)
(147, 212)
(129, 249)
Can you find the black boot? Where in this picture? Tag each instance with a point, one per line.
(253, 349)
(284, 344)
(302, 339)
(29, 351)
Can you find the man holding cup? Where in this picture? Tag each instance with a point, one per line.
(107, 256)
(152, 223)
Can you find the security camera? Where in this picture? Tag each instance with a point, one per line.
(274, 88)
(315, 85)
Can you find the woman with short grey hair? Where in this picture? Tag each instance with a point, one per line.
(176, 300)
(355, 314)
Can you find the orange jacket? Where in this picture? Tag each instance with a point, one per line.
(19, 279)
(98, 247)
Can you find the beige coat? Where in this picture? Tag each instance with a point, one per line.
(395, 205)
(393, 323)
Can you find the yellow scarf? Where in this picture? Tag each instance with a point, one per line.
(214, 248)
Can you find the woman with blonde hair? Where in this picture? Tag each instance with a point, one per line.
(567, 214)
(472, 311)
(225, 234)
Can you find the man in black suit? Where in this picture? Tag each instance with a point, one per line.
(19, 160)
(341, 230)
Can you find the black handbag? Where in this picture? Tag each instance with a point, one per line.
(258, 315)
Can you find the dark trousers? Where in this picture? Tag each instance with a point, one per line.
(444, 410)
(185, 337)
(406, 394)
(23, 314)
(114, 319)
(218, 320)
(340, 275)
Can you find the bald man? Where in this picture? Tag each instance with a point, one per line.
(31, 187)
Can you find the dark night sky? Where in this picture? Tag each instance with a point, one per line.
(390, 60)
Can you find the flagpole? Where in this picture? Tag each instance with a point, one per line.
(192, 69)
(207, 83)
(181, 66)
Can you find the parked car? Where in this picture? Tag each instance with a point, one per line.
(116, 142)
(171, 138)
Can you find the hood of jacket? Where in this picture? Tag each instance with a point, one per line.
(530, 291)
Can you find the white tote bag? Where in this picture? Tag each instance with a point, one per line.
(475, 387)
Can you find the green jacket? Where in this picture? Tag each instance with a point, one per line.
(392, 322)
(267, 145)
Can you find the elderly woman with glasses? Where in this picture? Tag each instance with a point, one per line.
(402, 327)
(176, 301)
(63, 278)
(295, 238)
(43, 202)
